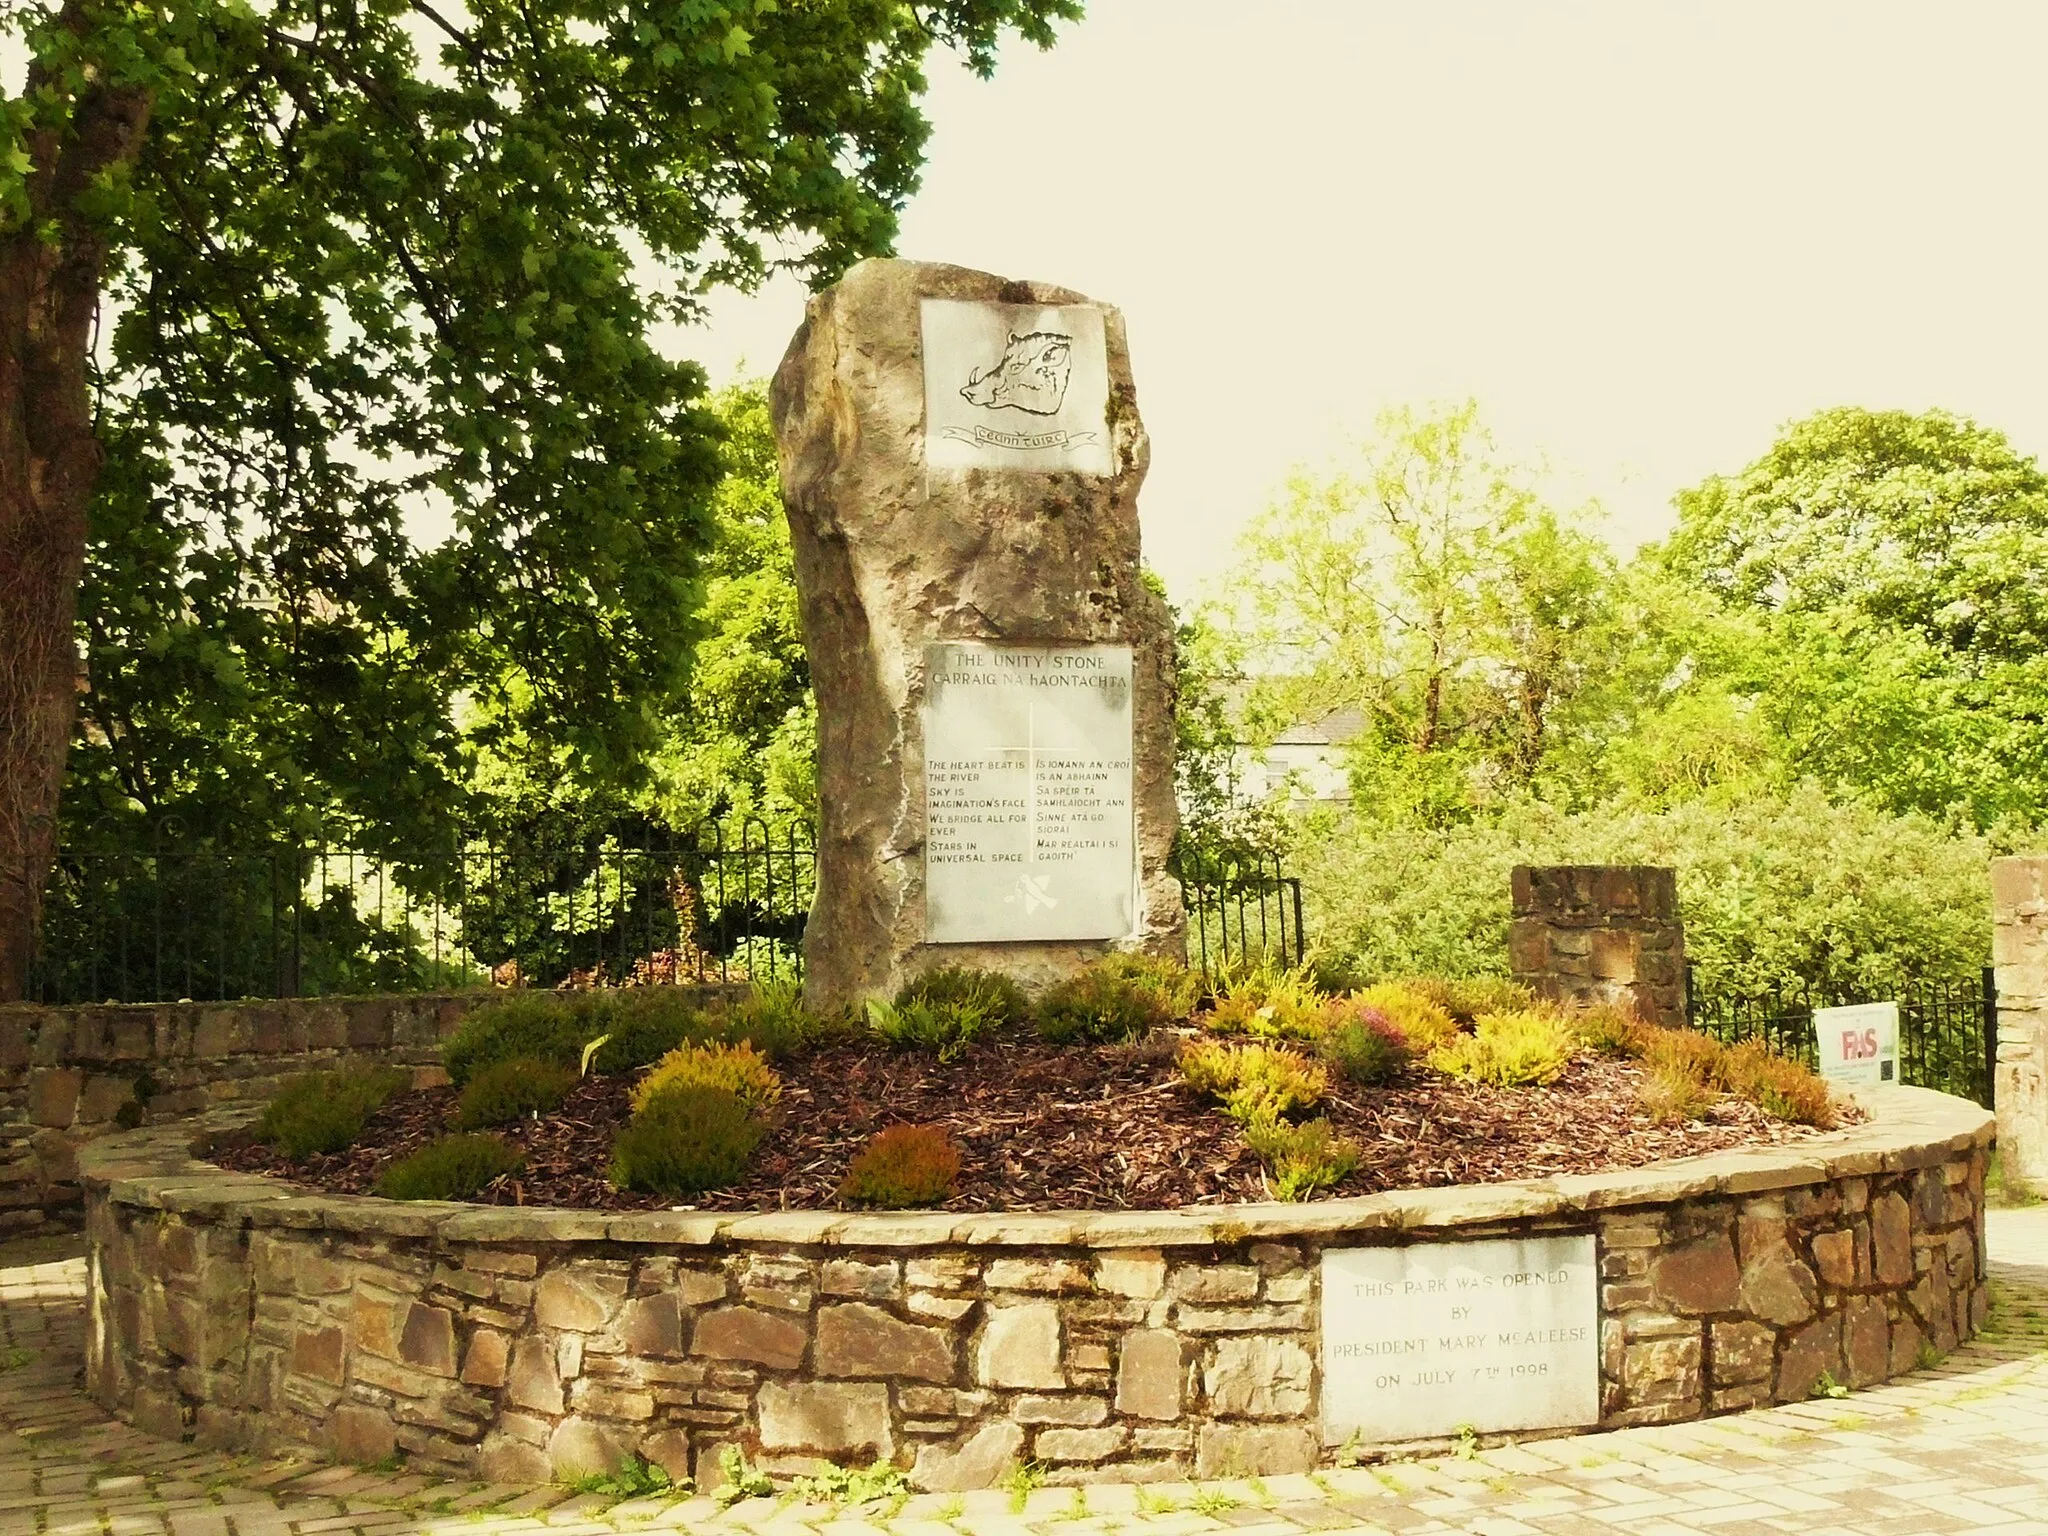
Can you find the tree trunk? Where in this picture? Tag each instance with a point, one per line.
(50, 272)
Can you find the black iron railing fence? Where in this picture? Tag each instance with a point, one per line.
(1948, 1026)
(325, 916)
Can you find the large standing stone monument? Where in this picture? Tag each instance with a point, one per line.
(961, 457)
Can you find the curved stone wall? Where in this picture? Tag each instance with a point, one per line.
(514, 1344)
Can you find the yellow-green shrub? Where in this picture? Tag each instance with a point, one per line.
(1509, 1050)
(325, 1111)
(736, 1069)
(1466, 998)
(1301, 1160)
(1700, 1057)
(1267, 1004)
(1424, 1023)
(1117, 999)
(1254, 1081)
(1360, 1042)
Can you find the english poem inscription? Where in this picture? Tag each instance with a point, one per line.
(1027, 774)
(1500, 1334)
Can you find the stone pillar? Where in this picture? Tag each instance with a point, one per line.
(1601, 933)
(961, 456)
(2019, 951)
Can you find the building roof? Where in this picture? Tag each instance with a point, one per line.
(1332, 730)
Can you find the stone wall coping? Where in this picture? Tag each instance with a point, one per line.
(1909, 1128)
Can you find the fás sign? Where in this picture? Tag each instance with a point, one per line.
(1859, 1044)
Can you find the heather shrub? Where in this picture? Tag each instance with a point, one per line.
(1268, 1004)
(453, 1168)
(995, 996)
(1424, 1022)
(1686, 1051)
(944, 1029)
(1778, 1085)
(1671, 1096)
(1611, 1029)
(1255, 1082)
(511, 1090)
(1466, 998)
(771, 1018)
(903, 1166)
(544, 1026)
(739, 1070)
(1301, 1160)
(647, 1023)
(325, 1111)
(1509, 1050)
(684, 1141)
(1118, 998)
(1360, 1043)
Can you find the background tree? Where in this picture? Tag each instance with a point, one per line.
(1893, 570)
(1431, 589)
(297, 272)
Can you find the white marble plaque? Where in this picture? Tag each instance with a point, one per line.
(1015, 386)
(1027, 793)
(1501, 1334)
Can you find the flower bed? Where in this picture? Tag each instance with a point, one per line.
(1114, 1091)
(511, 1343)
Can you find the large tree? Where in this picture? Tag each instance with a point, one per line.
(1892, 569)
(273, 279)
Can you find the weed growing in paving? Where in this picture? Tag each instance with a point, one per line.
(1466, 1447)
(853, 1485)
(1024, 1477)
(635, 1478)
(1827, 1386)
(741, 1480)
(1212, 1501)
(1150, 1503)
(952, 1509)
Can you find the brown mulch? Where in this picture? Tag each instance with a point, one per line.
(1101, 1128)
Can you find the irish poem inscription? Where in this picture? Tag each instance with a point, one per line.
(1015, 386)
(1027, 775)
(1501, 1334)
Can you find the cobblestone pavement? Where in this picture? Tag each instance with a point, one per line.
(1961, 1447)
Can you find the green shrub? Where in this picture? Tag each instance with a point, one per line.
(1301, 1160)
(325, 1111)
(946, 1029)
(1509, 1050)
(740, 1070)
(771, 1018)
(685, 1141)
(1255, 1082)
(1117, 999)
(546, 1026)
(1361, 1043)
(1424, 1022)
(453, 1168)
(646, 1023)
(511, 1090)
(995, 996)
(904, 1166)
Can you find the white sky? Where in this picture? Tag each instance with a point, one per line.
(1643, 234)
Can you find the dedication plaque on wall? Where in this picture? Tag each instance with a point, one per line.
(1027, 793)
(1015, 386)
(1500, 1334)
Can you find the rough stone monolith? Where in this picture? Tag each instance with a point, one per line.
(961, 456)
